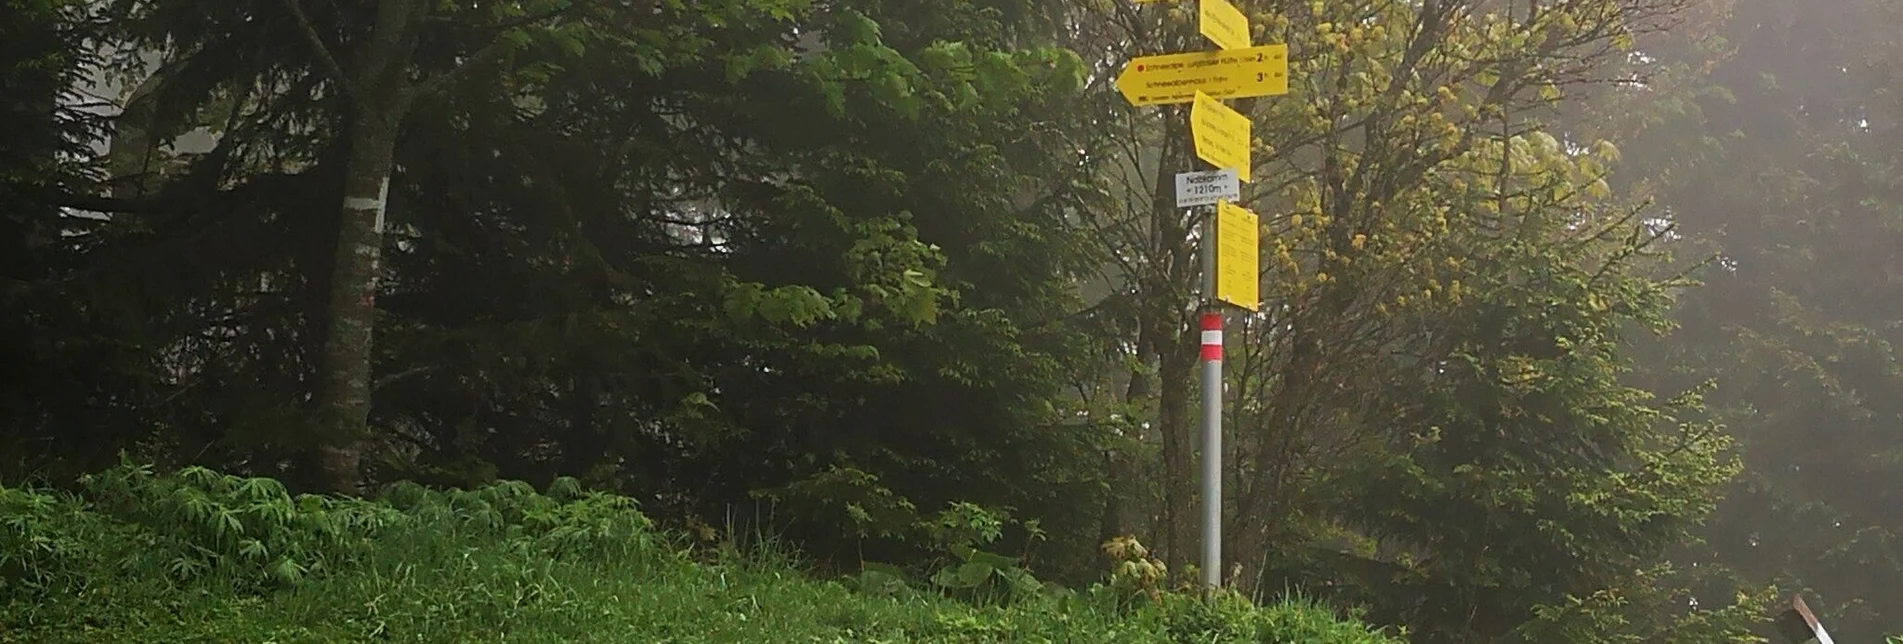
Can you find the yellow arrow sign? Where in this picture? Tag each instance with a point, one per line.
(1231, 73)
(1222, 23)
(1237, 278)
(1221, 135)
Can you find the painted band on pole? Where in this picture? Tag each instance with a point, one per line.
(1212, 336)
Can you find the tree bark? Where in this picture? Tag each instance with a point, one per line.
(379, 89)
(1173, 371)
(344, 390)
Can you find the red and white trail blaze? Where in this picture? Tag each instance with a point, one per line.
(1212, 337)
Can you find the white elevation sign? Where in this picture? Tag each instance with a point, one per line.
(1207, 187)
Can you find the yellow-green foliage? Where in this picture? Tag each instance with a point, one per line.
(203, 557)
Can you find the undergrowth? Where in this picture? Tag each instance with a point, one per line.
(199, 556)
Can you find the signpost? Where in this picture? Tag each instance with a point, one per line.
(1237, 278)
(1222, 138)
(1222, 23)
(1234, 73)
(1206, 188)
(1799, 625)
(1221, 135)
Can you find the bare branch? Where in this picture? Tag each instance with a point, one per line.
(489, 53)
(390, 379)
(324, 57)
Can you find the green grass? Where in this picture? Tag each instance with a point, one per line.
(216, 559)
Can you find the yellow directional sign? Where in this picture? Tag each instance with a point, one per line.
(1230, 73)
(1221, 135)
(1222, 23)
(1237, 279)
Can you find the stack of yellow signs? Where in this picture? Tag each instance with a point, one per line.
(1238, 69)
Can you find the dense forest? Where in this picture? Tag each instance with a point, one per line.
(1576, 315)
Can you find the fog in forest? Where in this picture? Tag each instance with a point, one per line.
(1534, 321)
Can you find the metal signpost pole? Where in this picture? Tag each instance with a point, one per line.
(1221, 136)
(1212, 410)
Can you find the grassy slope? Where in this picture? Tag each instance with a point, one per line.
(467, 572)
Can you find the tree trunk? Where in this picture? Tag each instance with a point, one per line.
(379, 89)
(1116, 466)
(1167, 327)
(344, 390)
(1110, 522)
(1263, 504)
(1179, 485)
